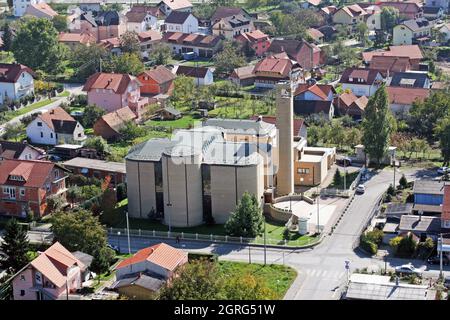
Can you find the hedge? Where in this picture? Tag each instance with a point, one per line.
(196, 256)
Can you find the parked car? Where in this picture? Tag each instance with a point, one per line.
(113, 247)
(408, 269)
(436, 260)
(360, 189)
(346, 161)
(443, 170)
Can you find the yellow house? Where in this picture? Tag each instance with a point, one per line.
(350, 15)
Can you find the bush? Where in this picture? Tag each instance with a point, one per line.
(375, 236)
(368, 245)
(391, 191)
(403, 182)
(121, 191)
(405, 247)
(199, 256)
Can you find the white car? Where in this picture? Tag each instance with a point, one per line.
(360, 189)
(443, 170)
(408, 269)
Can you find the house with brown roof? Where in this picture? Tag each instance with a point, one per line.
(412, 52)
(16, 81)
(139, 20)
(243, 76)
(414, 31)
(55, 126)
(362, 82)
(203, 46)
(299, 128)
(99, 169)
(407, 9)
(73, 40)
(349, 104)
(388, 65)
(203, 76)
(20, 151)
(54, 275)
(113, 45)
(445, 215)
(102, 25)
(168, 6)
(179, 21)
(314, 100)
(328, 12)
(26, 185)
(110, 124)
(232, 26)
(158, 80)
(226, 12)
(112, 91)
(148, 40)
(350, 15)
(307, 55)
(402, 98)
(40, 10)
(316, 35)
(255, 42)
(271, 70)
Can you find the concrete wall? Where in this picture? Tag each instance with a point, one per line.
(140, 188)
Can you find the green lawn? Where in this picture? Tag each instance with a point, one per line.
(205, 63)
(31, 107)
(238, 108)
(349, 180)
(276, 231)
(183, 123)
(64, 94)
(277, 277)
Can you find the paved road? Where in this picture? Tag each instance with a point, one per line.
(321, 270)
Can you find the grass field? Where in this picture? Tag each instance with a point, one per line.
(348, 181)
(185, 122)
(31, 107)
(277, 277)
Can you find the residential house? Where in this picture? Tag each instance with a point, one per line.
(19, 151)
(53, 275)
(112, 91)
(158, 80)
(90, 5)
(255, 42)
(433, 13)
(139, 286)
(362, 82)
(420, 226)
(387, 65)
(168, 6)
(412, 31)
(232, 26)
(349, 104)
(328, 12)
(227, 12)
(445, 215)
(110, 124)
(16, 81)
(243, 76)
(103, 25)
(73, 40)
(184, 22)
(202, 76)
(407, 9)
(153, 11)
(409, 80)
(160, 259)
(40, 10)
(373, 18)
(412, 52)
(99, 169)
(20, 6)
(428, 196)
(140, 21)
(314, 100)
(168, 113)
(55, 126)
(311, 4)
(203, 46)
(148, 40)
(26, 185)
(271, 70)
(112, 45)
(445, 30)
(307, 55)
(444, 4)
(316, 35)
(329, 32)
(401, 98)
(350, 15)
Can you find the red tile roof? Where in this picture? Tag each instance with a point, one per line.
(410, 51)
(406, 96)
(274, 65)
(253, 36)
(56, 114)
(315, 34)
(160, 254)
(116, 82)
(298, 123)
(10, 72)
(402, 6)
(390, 64)
(34, 172)
(44, 8)
(160, 74)
(177, 4)
(149, 35)
(320, 90)
(368, 75)
(446, 204)
(116, 119)
(83, 38)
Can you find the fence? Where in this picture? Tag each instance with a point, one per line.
(213, 238)
(347, 193)
(369, 218)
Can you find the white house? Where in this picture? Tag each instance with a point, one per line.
(168, 6)
(411, 31)
(362, 82)
(184, 22)
(20, 6)
(55, 127)
(16, 81)
(445, 30)
(140, 21)
(444, 4)
(202, 76)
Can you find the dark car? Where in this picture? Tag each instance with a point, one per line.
(436, 260)
(113, 247)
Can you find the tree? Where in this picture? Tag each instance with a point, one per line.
(13, 131)
(403, 182)
(184, 89)
(389, 18)
(247, 287)
(197, 280)
(131, 131)
(15, 245)
(60, 23)
(377, 125)
(99, 144)
(129, 42)
(102, 260)
(10, 4)
(228, 59)
(362, 32)
(55, 202)
(36, 45)
(352, 137)
(90, 116)
(79, 231)
(7, 37)
(313, 136)
(337, 178)
(247, 219)
(443, 133)
(161, 54)
(129, 63)
(86, 60)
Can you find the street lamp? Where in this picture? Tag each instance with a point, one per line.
(318, 210)
(118, 240)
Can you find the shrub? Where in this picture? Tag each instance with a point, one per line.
(368, 245)
(198, 256)
(405, 247)
(375, 236)
(391, 191)
(403, 182)
(121, 191)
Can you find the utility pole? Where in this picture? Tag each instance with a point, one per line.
(265, 248)
(440, 257)
(249, 254)
(345, 174)
(128, 233)
(318, 210)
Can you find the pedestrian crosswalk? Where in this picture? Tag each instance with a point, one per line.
(325, 274)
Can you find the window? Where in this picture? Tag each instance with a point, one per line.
(22, 293)
(56, 173)
(22, 277)
(42, 134)
(51, 135)
(11, 192)
(22, 192)
(302, 171)
(39, 124)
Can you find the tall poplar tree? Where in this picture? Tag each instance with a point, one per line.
(15, 245)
